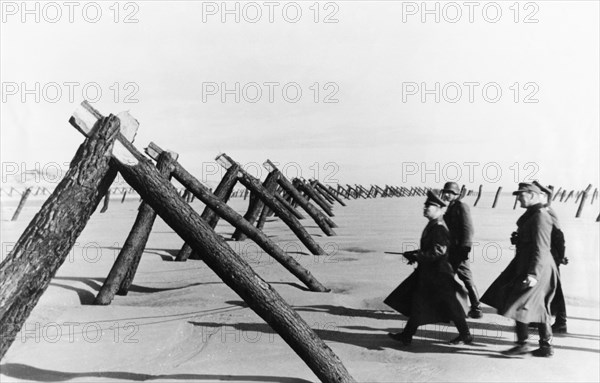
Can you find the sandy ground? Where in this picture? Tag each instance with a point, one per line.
(181, 323)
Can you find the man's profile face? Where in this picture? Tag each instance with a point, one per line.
(448, 196)
(526, 199)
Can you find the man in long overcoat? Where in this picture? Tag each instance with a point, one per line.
(431, 294)
(525, 289)
(557, 249)
(459, 222)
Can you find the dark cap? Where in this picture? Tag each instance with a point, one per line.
(527, 187)
(547, 190)
(433, 199)
(451, 187)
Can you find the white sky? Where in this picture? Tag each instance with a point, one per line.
(370, 135)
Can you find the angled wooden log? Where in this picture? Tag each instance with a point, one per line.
(123, 271)
(322, 193)
(271, 201)
(124, 195)
(594, 196)
(49, 237)
(302, 186)
(236, 220)
(234, 271)
(314, 213)
(22, 202)
(323, 197)
(255, 206)
(223, 192)
(308, 195)
(496, 197)
(478, 195)
(584, 197)
(331, 192)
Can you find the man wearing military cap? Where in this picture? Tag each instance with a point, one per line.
(458, 220)
(431, 294)
(525, 289)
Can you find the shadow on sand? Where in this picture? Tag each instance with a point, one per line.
(30, 373)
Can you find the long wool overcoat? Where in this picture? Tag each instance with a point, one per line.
(508, 294)
(431, 294)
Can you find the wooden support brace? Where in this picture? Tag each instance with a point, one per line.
(222, 192)
(256, 205)
(123, 271)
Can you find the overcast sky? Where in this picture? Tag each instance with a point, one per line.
(362, 68)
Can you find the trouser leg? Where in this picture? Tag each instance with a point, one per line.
(545, 331)
(560, 305)
(410, 329)
(461, 326)
(464, 274)
(522, 330)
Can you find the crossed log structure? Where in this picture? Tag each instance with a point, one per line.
(46, 242)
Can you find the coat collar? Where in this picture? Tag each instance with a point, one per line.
(531, 210)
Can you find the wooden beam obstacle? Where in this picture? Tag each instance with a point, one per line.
(271, 201)
(321, 219)
(236, 220)
(162, 196)
(46, 242)
(222, 192)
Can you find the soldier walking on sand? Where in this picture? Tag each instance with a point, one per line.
(525, 289)
(431, 294)
(557, 248)
(458, 220)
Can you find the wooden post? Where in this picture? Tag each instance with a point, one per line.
(584, 196)
(569, 195)
(255, 206)
(234, 271)
(21, 204)
(578, 195)
(496, 197)
(123, 271)
(223, 193)
(49, 237)
(106, 202)
(557, 193)
(478, 195)
(594, 196)
(315, 214)
(124, 195)
(562, 195)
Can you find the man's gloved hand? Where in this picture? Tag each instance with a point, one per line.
(411, 256)
(564, 261)
(530, 281)
(513, 237)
